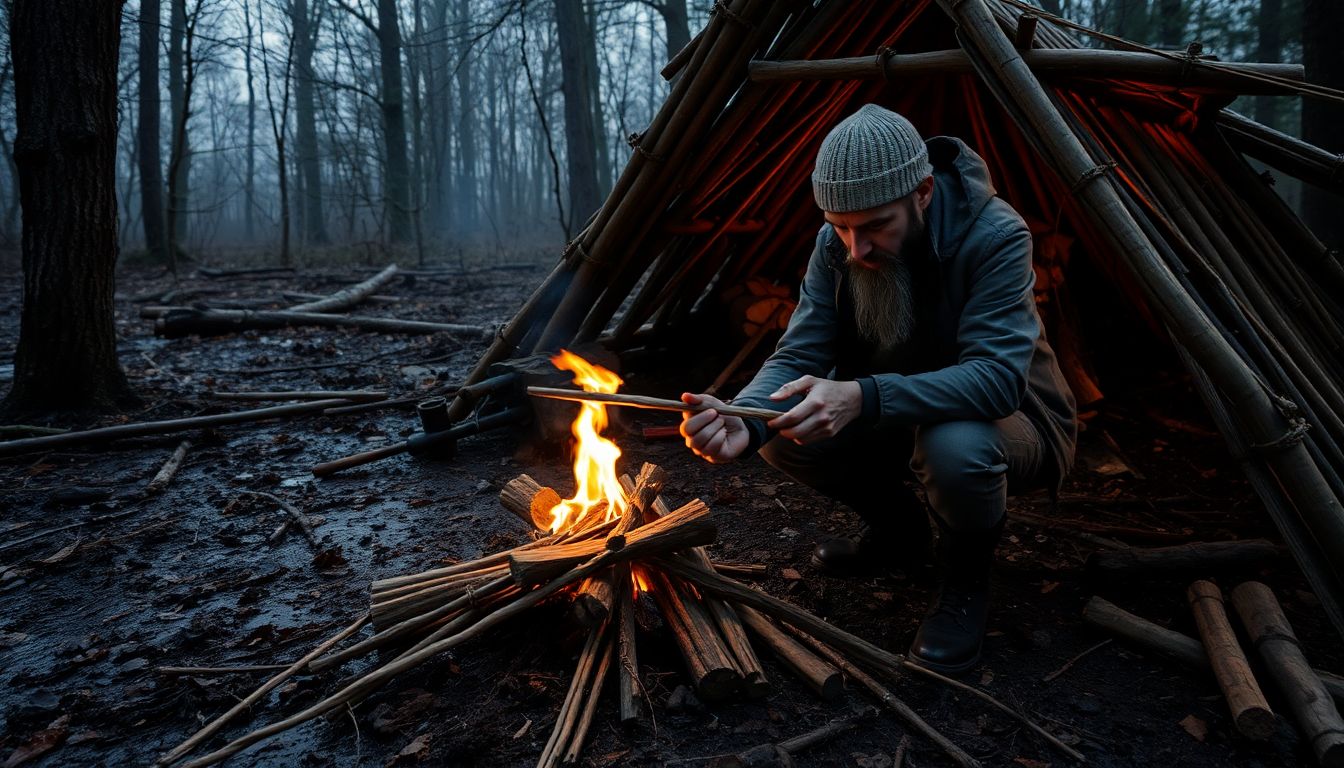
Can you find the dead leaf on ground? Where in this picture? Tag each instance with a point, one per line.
(414, 752)
(62, 555)
(791, 574)
(40, 743)
(1195, 727)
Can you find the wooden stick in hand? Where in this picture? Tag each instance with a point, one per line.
(653, 403)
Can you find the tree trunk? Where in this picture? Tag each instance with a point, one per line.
(180, 153)
(580, 136)
(249, 183)
(397, 184)
(466, 130)
(65, 88)
(676, 26)
(1323, 57)
(438, 86)
(309, 161)
(603, 156)
(147, 134)
(1131, 19)
(1268, 50)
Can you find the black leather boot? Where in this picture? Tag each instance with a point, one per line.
(904, 541)
(950, 639)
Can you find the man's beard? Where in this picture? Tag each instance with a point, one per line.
(884, 306)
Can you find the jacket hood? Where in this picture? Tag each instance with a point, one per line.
(961, 190)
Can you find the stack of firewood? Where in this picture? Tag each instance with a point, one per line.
(647, 567)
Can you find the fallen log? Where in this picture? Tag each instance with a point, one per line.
(1307, 697)
(348, 297)
(1202, 556)
(67, 439)
(220, 322)
(1143, 633)
(1250, 711)
(353, 395)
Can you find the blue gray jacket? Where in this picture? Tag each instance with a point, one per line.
(978, 351)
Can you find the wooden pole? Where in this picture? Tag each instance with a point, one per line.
(1060, 66)
(652, 403)
(1250, 711)
(1310, 703)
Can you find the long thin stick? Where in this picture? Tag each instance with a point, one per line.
(182, 749)
(169, 469)
(651, 403)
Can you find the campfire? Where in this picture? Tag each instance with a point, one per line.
(626, 562)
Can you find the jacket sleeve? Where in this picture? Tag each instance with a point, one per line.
(808, 344)
(996, 337)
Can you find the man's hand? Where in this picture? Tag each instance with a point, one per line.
(825, 410)
(717, 439)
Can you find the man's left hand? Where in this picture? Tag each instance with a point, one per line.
(828, 406)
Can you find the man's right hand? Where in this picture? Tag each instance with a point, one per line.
(716, 438)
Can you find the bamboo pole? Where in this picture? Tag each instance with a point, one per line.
(1250, 711)
(1292, 463)
(1307, 697)
(1058, 66)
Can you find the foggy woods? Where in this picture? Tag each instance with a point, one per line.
(1027, 317)
(297, 125)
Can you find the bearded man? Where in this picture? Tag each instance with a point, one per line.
(915, 356)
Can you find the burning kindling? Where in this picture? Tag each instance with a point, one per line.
(627, 562)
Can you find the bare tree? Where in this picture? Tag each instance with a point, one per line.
(65, 84)
(279, 125)
(306, 25)
(580, 133)
(179, 158)
(147, 131)
(249, 176)
(180, 152)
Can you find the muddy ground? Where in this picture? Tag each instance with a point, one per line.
(90, 613)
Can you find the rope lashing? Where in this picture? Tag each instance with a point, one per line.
(635, 140)
(1297, 427)
(1090, 175)
(721, 7)
(883, 55)
(1190, 60)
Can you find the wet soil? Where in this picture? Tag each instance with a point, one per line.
(90, 613)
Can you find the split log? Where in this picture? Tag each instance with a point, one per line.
(221, 322)
(1310, 703)
(1143, 633)
(531, 501)
(169, 426)
(1203, 556)
(708, 662)
(169, 469)
(1058, 66)
(1250, 711)
(755, 683)
(652, 403)
(822, 678)
(629, 687)
(594, 601)
(689, 526)
(348, 297)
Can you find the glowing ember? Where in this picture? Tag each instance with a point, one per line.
(595, 476)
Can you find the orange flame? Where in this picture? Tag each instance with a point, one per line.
(595, 476)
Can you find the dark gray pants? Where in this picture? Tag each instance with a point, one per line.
(967, 468)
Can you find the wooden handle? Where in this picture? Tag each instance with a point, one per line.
(652, 403)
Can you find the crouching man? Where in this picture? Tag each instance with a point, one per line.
(915, 355)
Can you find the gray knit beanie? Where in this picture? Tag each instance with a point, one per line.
(870, 158)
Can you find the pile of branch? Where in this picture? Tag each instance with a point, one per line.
(615, 572)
